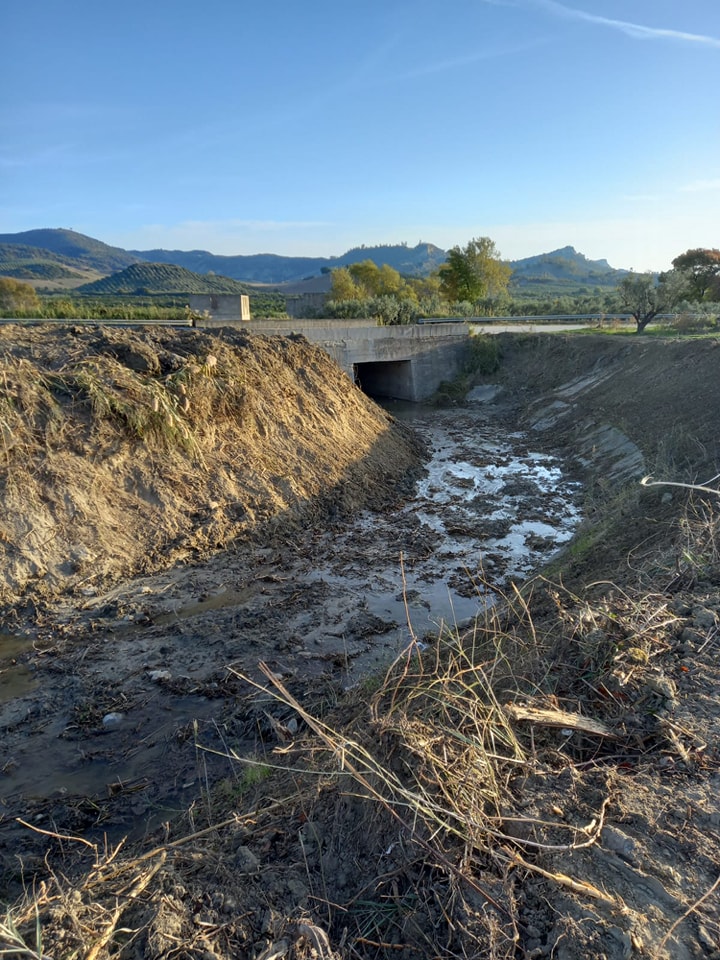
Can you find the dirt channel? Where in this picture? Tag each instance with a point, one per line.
(103, 697)
(216, 545)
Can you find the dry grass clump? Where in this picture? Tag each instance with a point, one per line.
(438, 715)
(416, 791)
(29, 413)
(148, 411)
(687, 322)
(82, 919)
(698, 552)
(405, 823)
(100, 397)
(432, 767)
(21, 942)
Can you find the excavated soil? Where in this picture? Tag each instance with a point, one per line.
(214, 545)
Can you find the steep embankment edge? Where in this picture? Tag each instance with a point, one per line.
(619, 408)
(126, 451)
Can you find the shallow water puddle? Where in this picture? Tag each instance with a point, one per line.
(16, 679)
(507, 486)
(487, 512)
(218, 601)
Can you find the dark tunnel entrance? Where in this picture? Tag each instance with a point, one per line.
(389, 379)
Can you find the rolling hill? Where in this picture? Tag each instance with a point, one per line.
(150, 279)
(563, 267)
(271, 268)
(22, 262)
(84, 252)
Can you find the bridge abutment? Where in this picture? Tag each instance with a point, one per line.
(406, 362)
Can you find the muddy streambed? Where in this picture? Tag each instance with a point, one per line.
(100, 711)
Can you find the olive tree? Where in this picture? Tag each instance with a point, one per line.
(644, 295)
(701, 267)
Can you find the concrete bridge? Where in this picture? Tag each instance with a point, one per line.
(395, 362)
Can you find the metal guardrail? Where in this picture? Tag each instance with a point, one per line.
(545, 318)
(558, 318)
(549, 318)
(105, 322)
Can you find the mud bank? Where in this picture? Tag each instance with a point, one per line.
(125, 452)
(624, 404)
(103, 693)
(622, 407)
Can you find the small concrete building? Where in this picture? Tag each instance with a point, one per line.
(305, 304)
(221, 306)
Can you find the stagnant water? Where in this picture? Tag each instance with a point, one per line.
(490, 510)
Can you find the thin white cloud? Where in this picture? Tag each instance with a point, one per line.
(700, 186)
(442, 66)
(636, 30)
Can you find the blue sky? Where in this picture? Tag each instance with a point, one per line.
(308, 128)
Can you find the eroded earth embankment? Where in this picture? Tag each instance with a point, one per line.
(541, 782)
(625, 407)
(125, 452)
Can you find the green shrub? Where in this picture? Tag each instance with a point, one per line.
(484, 354)
(17, 298)
(694, 323)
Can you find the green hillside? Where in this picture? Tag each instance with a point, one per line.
(150, 279)
(24, 262)
(46, 253)
(562, 271)
(85, 251)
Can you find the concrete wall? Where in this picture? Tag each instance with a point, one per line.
(221, 306)
(403, 362)
(304, 304)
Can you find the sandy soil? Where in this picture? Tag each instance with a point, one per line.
(169, 500)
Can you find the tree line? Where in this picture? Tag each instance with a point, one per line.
(474, 281)
(470, 275)
(692, 284)
(18, 299)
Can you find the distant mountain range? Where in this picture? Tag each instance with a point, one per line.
(271, 268)
(64, 255)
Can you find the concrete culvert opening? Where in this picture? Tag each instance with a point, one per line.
(388, 379)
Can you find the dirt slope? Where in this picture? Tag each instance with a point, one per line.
(663, 394)
(125, 452)
(622, 408)
(631, 639)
